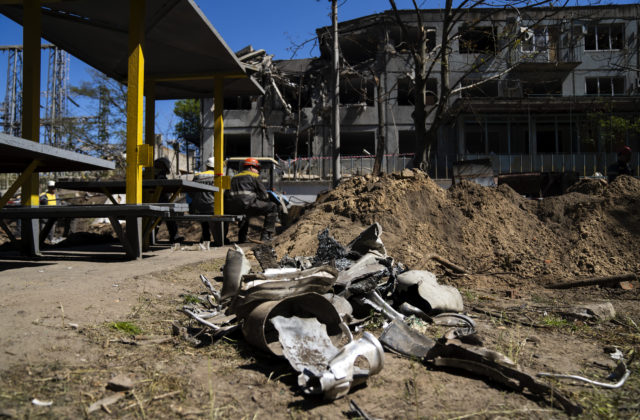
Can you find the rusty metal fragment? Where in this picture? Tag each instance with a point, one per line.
(620, 374)
(235, 266)
(259, 331)
(404, 340)
(420, 288)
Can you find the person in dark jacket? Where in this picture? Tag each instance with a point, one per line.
(162, 168)
(248, 196)
(621, 167)
(202, 202)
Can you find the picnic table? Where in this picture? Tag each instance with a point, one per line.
(156, 189)
(26, 157)
(132, 213)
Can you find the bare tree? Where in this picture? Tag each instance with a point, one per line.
(435, 63)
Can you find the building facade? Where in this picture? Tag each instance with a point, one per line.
(536, 89)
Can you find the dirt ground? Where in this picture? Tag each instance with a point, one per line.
(70, 325)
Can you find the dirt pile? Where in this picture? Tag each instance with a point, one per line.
(483, 229)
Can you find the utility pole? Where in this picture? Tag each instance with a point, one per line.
(335, 99)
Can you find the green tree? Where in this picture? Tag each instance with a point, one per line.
(188, 126)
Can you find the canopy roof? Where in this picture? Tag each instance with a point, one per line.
(16, 154)
(179, 41)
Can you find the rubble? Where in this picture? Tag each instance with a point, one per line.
(302, 314)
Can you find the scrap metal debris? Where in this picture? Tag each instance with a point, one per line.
(620, 374)
(301, 307)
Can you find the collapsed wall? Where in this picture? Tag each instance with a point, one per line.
(591, 231)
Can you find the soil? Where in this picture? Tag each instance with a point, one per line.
(586, 232)
(511, 247)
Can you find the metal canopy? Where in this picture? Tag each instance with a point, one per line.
(16, 154)
(180, 43)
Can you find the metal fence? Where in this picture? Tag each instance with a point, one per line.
(585, 164)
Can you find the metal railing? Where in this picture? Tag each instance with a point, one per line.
(585, 164)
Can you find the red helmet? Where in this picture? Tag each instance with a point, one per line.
(248, 162)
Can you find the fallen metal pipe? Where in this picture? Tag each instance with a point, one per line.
(374, 300)
(616, 385)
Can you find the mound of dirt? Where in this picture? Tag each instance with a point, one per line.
(483, 229)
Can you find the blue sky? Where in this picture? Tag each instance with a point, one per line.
(271, 25)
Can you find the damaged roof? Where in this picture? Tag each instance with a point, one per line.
(179, 41)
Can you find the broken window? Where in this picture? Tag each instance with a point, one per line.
(237, 145)
(357, 144)
(519, 138)
(406, 142)
(605, 86)
(498, 138)
(356, 90)
(535, 40)
(406, 91)
(474, 137)
(546, 138)
(542, 87)
(290, 94)
(284, 145)
(480, 89)
(604, 37)
(237, 102)
(404, 43)
(478, 40)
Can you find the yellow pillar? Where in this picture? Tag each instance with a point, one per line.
(135, 94)
(150, 123)
(218, 143)
(31, 89)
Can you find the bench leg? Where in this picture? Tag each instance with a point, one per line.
(30, 243)
(8, 231)
(134, 236)
(218, 233)
(115, 224)
(46, 229)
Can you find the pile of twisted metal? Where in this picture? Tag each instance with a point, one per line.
(306, 309)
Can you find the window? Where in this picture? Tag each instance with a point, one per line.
(604, 37)
(535, 40)
(237, 145)
(406, 142)
(488, 89)
(356, 90)
(237, 102)
(357, 144)
(413, 35)
(478, 40)
(406, 91)
(605, 86)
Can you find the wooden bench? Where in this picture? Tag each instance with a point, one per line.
(217, 220)
(131, 240)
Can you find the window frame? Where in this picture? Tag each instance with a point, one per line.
(611, 82)
(610, 37)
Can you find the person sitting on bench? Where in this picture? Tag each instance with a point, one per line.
(248, 196)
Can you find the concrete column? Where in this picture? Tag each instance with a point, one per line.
(206, 141)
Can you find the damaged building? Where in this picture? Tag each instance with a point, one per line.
(557, 90)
